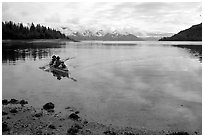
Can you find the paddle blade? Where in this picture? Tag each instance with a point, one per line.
(42, 67)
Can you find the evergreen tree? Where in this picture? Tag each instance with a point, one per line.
(11, 30)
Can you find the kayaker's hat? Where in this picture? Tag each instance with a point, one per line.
(53, 56)
(58, 57)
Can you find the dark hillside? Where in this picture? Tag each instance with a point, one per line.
(193, 33)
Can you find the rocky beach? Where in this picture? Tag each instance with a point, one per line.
(21, 118)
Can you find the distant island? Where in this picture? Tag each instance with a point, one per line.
(193, 33)
(11, 30)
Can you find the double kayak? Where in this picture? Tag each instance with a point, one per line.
(59, 70)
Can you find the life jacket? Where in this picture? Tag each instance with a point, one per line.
(63, 65)
(52, 61)
(57, 63)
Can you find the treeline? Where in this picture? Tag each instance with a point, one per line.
(11, 30)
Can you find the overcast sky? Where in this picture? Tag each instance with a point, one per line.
(133, 17)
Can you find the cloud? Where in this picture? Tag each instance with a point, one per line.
(53, 19)
(147, 16)
(5, 7)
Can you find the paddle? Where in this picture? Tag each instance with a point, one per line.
(68, 58)
(43, 67)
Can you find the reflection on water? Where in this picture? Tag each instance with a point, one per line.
(157, 85)
(196, 50)
(57, 74)
(13, 51)
(12, 55)
(60, 75)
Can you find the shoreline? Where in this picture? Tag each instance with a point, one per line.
(38, 40)
(21, 118)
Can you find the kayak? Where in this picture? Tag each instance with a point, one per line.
(59, 70)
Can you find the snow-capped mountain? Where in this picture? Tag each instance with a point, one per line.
(101, 35)
(109, 36)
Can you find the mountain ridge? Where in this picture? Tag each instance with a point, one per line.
(100, 35)
(115, 35)
(194, 33)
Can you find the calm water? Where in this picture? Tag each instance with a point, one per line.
(155, 85)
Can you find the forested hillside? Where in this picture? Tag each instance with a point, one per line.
(11, 30)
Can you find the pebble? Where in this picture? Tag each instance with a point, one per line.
(38, 114)
(85, 122)
(51, 126)
(179, 133)
(39, 132)
(72, 131)
(88, 131)
(77, 126)
(4, 113)
(14, 110)
(8, 118)
(77, 112)
(67, 107)
(62, 119)
(5, 127)
(109, 132)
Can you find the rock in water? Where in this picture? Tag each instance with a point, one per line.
(5, 102)
(74, 116)
(23, 102)
(13, 101)
(49, 106)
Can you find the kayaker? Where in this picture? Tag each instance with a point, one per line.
(53, 60)
(57, 62)
(62, 65)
